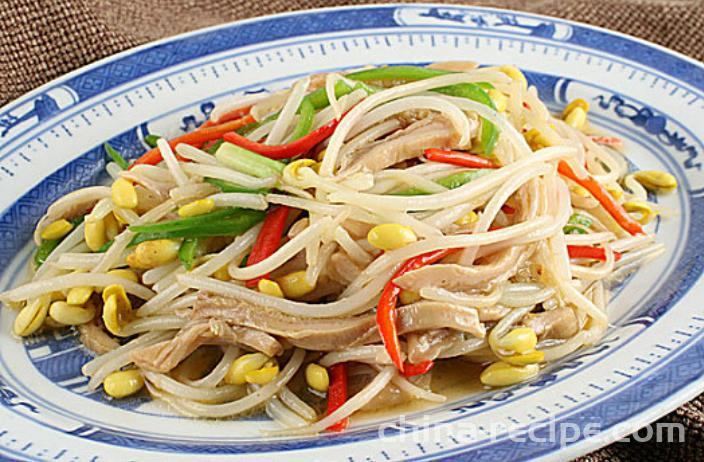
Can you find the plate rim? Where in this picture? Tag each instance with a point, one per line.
(238, 22)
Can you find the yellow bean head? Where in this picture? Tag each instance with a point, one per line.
(576, 118)
(150, 254)
(57, 229)
(242, 365)
(519, 340)
(293, 174)
(574, 104)
(579, 191)
(499, 99)
(262, 376)
(616, 191)
(32, 316)
(195, 208)
(656, 180)
(124, 274)
(535, 139)
(294, 284)
(408, 297)
(317, 377)
(117, 308)
(391, 236)
(112, 226)
(468, 219)
(79, 295)
(94, 234)
(222, 274)
(530, 357)
(122, 384)
(120, 220)
(70, 315)
(501, 374)
(124, 194)
(645, 213)
(269, 287)
(515, 74)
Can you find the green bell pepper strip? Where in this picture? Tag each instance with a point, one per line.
(490, 134)
(116, 156)
(473, 91)
(233, 226)
(213, 148)
(485, 85)
(318, 99)
(577, 224)
(44, 250)
(189, 222)
(450, 182)
(247, 129)
(104, 248)
(305, 119)
(462, 178)
(248, 162)
(75, 221)
(228, 187)
(151, 140)
(187, 252)
(406, 73)
(48, 245)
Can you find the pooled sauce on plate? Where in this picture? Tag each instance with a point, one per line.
(453, 378)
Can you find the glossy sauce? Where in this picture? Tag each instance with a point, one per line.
(454, 378)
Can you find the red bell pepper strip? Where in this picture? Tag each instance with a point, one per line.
(593, 253)
(607, 201)
(269, 239)
(284, 151)
(228, 116)
(195, 138)
(208, 144)
(607, 140)
(507, 209)
(409, 370)
(386, 308)
(337, 394)
(463, 159)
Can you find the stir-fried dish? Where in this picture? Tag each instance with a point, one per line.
(314, 251)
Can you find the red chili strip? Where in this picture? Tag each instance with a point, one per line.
(409, 370)
(507, 209)
(269, 239)
(592, 253)
(228, 116)
(195, 138)
(607, 140)
(285, 151)
(386, 309)
(337, 394)
(463, 159)
(606, 200)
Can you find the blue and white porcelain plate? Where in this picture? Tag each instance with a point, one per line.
(651, 360)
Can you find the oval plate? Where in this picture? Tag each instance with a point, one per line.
(650, 361)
